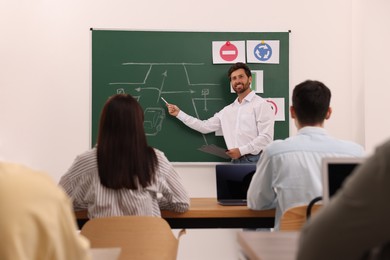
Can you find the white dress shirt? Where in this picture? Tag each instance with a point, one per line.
(248, 126)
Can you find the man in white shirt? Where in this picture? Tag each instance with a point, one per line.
(289, 172)
(247, 124)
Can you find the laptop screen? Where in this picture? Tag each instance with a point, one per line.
(334, 172)
(233, 181)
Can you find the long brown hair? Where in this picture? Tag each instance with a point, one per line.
(124, 158)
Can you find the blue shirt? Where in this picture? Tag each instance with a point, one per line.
(288, 173)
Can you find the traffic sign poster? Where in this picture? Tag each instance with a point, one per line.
(263, 51)
(228, 52)
(277, 105)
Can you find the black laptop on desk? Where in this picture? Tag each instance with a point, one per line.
(233, 182)
(335, 170)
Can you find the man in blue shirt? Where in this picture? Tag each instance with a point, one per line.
(289, 172)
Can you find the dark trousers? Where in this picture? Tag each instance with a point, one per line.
(247, 158)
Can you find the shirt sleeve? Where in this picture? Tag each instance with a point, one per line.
(174, 195)
(261, 194)
(203, 126)
(75, 184)
(265, 120)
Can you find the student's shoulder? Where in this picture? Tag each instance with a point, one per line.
(160, 155)
(353, 147)
(385, 147)
(87, 159)
(15, 170)
(382, 151)
(28, 180)
(89, 154)
(278, 146)
(158, 152)
(164, 165)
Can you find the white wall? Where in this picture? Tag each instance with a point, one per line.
(45, 73)
(376, 72)
(46, 56)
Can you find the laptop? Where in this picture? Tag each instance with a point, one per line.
(334, 171)
(233, 182)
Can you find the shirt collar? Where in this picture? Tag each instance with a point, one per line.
(248, 97)
(312, 130)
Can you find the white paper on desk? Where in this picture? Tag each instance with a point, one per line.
(105, 253)
(215, 150)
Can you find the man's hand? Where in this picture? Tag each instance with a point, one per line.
(173, 110)
(234, 153)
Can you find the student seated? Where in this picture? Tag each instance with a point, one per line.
(355, 224)
(289, 171)
(36, 218)
(122, 175)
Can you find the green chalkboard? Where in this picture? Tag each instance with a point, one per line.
(178, 66)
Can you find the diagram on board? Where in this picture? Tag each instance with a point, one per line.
(172, 82)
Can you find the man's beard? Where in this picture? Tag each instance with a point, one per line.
(243, 89)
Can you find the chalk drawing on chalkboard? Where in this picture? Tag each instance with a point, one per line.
(154, 117)
(152, 65)
(120, 91)
(204, 102)
(205, 93)
(156, 81)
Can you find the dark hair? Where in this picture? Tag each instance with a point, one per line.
(311, 100)
(237, 66)
(124, 158)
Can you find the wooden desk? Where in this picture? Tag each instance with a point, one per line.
(268, 245)
(207, 213)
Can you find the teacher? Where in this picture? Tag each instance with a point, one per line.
(247, 124)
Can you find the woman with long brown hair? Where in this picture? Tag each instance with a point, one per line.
(122, 175)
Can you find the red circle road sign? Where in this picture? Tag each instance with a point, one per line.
(274, 106)
(228, 52)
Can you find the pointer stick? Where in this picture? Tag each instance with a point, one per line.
(164, 100)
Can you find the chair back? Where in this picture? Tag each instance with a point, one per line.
(139, 237)
(294, 218)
